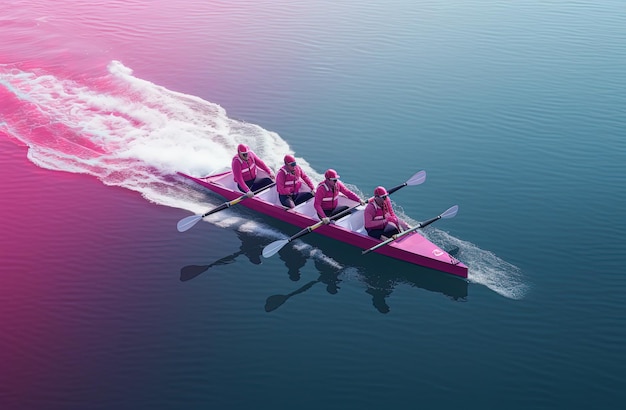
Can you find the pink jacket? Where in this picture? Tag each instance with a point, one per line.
(288, 183)
(377, 217)
(327, 198)
(246, 170)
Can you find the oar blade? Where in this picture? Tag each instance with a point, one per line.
(186, 223)
(274, 302)
(417, 179)
(450, 212)
(271, 249)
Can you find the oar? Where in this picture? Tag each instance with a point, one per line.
(186, 223)
(275, 246)
(449, 213)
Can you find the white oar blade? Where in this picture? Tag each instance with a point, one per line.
(272, 248)
(450, 212)
(186, 223)
(417, 179)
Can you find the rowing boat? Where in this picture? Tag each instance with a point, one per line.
(411, 247)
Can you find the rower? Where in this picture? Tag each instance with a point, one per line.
(327, 196)
(381, 221)
(289, 180)
(244, 166)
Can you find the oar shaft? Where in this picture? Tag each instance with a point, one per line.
(235, 201)
(395, 188)
(275, 246)
(311, 228)
(387, 241)
(419, 177)
(451, 212)
(186, 223)
(305, 231)
(425, 224)
(217, 209)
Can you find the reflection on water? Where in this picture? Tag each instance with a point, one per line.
(294, 261)
(380, 274)
(275, 301)
(329, 275)
(251, 247)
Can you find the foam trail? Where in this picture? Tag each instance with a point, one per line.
(132, 133)
(126, 131)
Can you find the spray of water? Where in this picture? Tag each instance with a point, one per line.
(485, 267)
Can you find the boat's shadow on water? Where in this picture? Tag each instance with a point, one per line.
(380, 274)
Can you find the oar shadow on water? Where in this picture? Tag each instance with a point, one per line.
(251, 247)
(275, 301)
(328, 275)
(380, 274)
(191, 271)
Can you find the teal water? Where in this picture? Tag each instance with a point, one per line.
(515, 110)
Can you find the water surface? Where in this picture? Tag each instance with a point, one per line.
(514, 109)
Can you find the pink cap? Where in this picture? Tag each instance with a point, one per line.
(331, 173)
(380, 191)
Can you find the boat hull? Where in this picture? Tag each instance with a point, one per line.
(413, 248)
